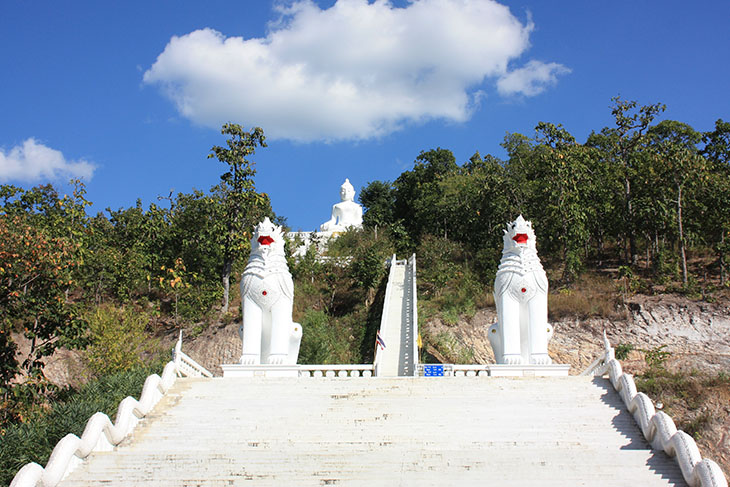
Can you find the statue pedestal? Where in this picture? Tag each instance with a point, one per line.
(239, 370)
(553, 370)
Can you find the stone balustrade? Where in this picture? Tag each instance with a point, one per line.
(658, 427)
(363, 370)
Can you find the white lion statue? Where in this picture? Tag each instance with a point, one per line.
(522, 331)
(267, 296)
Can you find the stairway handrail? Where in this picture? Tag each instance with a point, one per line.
(414, 312)
(185, 365)
(658, 427)
(383, 317)
(100, 434)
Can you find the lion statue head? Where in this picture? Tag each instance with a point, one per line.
(519, 236)
(268, 239)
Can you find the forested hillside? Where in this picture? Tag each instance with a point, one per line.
(637, 191)
(640, 206)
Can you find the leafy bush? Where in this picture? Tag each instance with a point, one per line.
(33, 440)
(622, 350)
(117, 339)
(665, 265)
(450, 348)
(656, 357)
(439, 263)
(368, 267)
(198, 300)
(324, 341)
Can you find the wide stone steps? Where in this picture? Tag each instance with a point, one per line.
(400, 431)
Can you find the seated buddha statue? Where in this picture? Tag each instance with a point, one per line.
(346, 213)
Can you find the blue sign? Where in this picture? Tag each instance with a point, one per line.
(433, 370)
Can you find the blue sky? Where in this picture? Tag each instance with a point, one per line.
(131, 95)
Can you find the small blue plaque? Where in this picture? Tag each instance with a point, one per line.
(433, 370)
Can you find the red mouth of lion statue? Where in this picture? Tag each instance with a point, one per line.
(265, 240)
(520, 238)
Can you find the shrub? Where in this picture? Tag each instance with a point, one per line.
(439, 263)
(117, 339)
(665, 265)
(450, 348)
(199, 299)
(323, 340)
(622, 350)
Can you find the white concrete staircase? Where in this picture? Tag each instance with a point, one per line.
(391, 360)
(565, 431)
(399, 323)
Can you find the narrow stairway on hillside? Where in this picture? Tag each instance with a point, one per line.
(397, 328)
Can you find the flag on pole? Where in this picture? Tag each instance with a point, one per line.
(379, 340)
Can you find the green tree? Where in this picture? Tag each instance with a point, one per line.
(622, 146)
(242, 204)
(417, 192)
(475, 201)
(520, 151)
(717, 196)
(35, 272)
(674, 147)
(378, 198)
(564, 181)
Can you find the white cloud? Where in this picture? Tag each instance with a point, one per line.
(352, 71)
(532, 79)
(34, 162)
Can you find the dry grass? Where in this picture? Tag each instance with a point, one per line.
(593, 295)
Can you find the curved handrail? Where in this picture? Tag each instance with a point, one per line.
(100, 434)
(658, 428)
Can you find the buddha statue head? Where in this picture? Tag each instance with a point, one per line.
(347, 191)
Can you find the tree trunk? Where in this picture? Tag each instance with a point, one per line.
(681, 235)
(227, 268)
(567, 273)
(633, 256)
(722, 258)
(648, 259)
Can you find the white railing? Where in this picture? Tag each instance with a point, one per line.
(185, 365)
(100, 434)
(360, 370)
(657, 427)
(384, 316)
(459, 370)
(412, 312)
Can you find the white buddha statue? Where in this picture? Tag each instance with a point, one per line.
(345, 214)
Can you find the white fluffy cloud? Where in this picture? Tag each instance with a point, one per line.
(34, 162)
(353, 71)
(532, 79)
